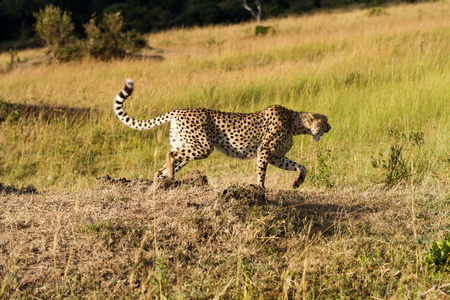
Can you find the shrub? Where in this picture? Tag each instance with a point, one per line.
(107, 40)
(396, 166)
(55, 28)
(104, 41)
(13, 54)
(321, 173)
(438, 256)
(8, 112)
(262, 30)
(377, 11)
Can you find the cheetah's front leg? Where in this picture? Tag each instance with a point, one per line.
(286, 164)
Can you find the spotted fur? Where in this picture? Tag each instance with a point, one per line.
(195, 132)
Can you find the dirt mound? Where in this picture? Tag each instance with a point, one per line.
(252, 194)
(195, 178)
(168, 183)
(13, 190)
(107, 179)
(192, 178)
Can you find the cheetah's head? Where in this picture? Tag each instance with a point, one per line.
(318, 125)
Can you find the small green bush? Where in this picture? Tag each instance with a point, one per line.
(107, 40)
(438, 256)
(104, 41)
(55, 28)
(13, 54)
(8, 112)
(397, 165)
(321, 173)
(262, 30)
(377, 11)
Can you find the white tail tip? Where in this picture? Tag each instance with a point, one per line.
(130, 83)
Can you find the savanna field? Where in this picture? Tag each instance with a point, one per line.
(79, 217)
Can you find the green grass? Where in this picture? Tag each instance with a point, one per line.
(360, 104)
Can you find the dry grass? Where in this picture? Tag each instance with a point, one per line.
(117, 241)
(366, 73)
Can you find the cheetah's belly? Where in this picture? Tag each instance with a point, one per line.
(237, 151)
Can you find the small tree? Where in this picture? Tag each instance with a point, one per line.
(107, 40)
(55, 28)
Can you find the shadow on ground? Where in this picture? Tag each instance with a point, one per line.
(322, 210)
(13, 111)
(5, 189)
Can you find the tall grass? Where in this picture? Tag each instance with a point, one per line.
(367, 73)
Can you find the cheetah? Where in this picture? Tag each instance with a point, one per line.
(195, 132)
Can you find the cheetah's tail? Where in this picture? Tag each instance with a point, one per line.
(129, 120)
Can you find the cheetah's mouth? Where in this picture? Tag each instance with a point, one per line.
(317, 137)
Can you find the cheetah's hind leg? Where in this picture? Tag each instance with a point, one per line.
(175, 160)
(168, 170)
(158, 175)
(169, 165)
(164, 171)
